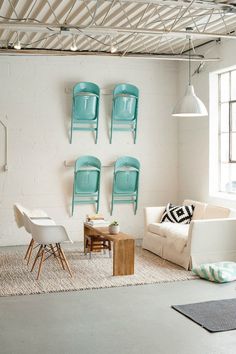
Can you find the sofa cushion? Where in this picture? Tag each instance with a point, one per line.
(207, 211)
(156, 228)
(181, 214)
(199, 209)
(216, 212)
(176, 234)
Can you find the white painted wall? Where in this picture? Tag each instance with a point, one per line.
(194, 132)
(33, 96)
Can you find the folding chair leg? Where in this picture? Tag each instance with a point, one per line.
(96, 138)
(73, 205)
(112, 204)
(71, 133)
(136, 205)
(97, 205)
(135, 134)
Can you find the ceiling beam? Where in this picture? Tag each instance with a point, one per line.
(108, 30)
(206, 4)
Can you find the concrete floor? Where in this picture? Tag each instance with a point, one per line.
(128, 320)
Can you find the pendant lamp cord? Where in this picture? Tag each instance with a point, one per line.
(189, 62)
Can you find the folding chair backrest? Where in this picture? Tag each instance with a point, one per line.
(85, 101)
(127, 161)
(125, 100)
(87, 175)
(126, 175)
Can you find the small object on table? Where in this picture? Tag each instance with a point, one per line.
(114, 228)
(94, 217)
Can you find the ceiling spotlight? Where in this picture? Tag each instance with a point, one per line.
(73, 47)
(17, 45)
(113, 48)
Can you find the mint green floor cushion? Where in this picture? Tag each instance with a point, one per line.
(220, 272)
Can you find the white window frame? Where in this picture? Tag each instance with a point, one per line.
(214, 136)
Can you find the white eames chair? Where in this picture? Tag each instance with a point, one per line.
(37, 214)
(49, 237)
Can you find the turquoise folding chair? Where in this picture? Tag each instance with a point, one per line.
(126, 182)
(86, 188)
(125, 109)
(85, 108)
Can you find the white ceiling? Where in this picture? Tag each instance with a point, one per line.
(156, 27)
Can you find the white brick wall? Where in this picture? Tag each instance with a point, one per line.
(36, 97)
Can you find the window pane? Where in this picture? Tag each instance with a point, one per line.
(231, 186)
(224, 117)
(233, 116)
(224, 177)
(224, 147)
(233, 171)
(233, 85)
(224, 87)
(233, 147)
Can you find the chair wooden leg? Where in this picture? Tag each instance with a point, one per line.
(59, 256)
(41, 262)
(37, 256)
(28, 249)
(30, 252)
(90, 245)
(53, 251)
(54, 254)
(109, 247)
(86, 247)
(65, 260)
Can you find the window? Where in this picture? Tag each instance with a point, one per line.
(223, 132)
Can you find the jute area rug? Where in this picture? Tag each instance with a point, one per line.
(95, 273)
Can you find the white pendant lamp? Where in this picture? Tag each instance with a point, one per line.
(190, 105)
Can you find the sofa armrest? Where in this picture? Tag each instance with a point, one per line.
(153, 214)
(212, 240)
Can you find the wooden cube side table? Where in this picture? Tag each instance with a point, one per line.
(123, 248)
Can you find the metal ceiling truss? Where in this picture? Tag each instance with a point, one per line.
(152, 28)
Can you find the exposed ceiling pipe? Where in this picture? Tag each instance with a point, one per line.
(40, 52)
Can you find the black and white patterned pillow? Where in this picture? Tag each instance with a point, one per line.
(178, 214)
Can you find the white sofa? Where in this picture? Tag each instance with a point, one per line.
(210, 236)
